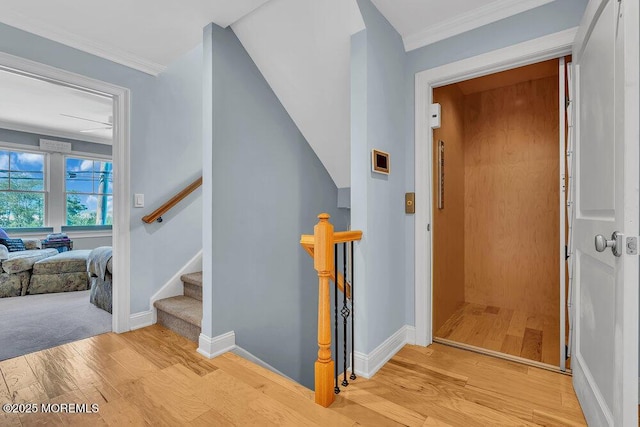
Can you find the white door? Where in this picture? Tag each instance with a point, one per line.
(605, 366)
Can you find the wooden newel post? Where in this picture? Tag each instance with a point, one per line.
(323, 263)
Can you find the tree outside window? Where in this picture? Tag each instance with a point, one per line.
(89, 192)
(22, 189)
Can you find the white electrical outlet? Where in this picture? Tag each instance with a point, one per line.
(138, 201)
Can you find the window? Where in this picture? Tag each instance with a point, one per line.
(42, 191)
(22, 189)
(89, 192)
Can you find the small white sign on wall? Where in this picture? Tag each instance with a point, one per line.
(55, 146)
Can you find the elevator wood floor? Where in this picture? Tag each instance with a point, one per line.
(529, 335)
(154, 377)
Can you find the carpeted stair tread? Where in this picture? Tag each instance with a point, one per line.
(194, 279)
(192, 285)
(182, 307)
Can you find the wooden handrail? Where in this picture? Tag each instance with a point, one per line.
(157, 214)
(306, 240)
(320, 246)
(347, 236)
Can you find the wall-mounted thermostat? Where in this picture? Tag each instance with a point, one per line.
(435, 115)
(380, 161)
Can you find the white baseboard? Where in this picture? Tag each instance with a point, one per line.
(174, 286)
(141, 319)
(368, 364)
(214, 347)
(250, 357)
(411, 334)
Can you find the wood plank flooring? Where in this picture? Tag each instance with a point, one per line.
(529, 335)
(154, 377)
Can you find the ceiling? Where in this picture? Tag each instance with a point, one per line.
(422, 22)
(33, 105)
(142, 34)
(149, 34)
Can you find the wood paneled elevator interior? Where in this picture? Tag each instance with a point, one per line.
(496, 253)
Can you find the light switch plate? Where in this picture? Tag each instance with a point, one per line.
(138, 201)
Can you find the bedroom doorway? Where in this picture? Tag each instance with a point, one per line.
(117, 206)
(499, 215)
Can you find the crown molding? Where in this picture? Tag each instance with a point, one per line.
(470, 20)
(39, 130)
(67, 38)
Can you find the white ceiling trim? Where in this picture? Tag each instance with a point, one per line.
(470, 20)
(21, 127)
(45, 30)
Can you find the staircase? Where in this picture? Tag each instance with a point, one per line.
(183, 314)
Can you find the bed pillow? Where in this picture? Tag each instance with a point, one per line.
(13, 245)
(3, 234)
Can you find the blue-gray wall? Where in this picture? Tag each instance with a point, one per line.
(165, 151)
(544, 20)
(377, 201)
(32, 140)
(171, 157)
(268, 187)
(547, 19)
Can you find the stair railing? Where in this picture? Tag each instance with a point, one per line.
(323, 246)
(157, 214)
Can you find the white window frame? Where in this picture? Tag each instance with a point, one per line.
(7, 146)
(54, 173)
(83, 156)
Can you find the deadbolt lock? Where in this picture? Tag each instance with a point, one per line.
(632, 246)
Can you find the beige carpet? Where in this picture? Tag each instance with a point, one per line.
(36, 322)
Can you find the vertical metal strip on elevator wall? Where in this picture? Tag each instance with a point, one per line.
(440, 174)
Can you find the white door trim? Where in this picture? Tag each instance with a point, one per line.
(563, 180)
(121, 173)
(540, 49)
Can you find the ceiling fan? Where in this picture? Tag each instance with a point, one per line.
(106, 125)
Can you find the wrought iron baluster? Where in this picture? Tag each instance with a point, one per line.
(345, 314)
(336, 389)
(353, 322)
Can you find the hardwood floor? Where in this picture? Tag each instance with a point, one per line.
(154, 377)
(529, 335)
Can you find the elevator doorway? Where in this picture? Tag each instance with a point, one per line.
(499, 217)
